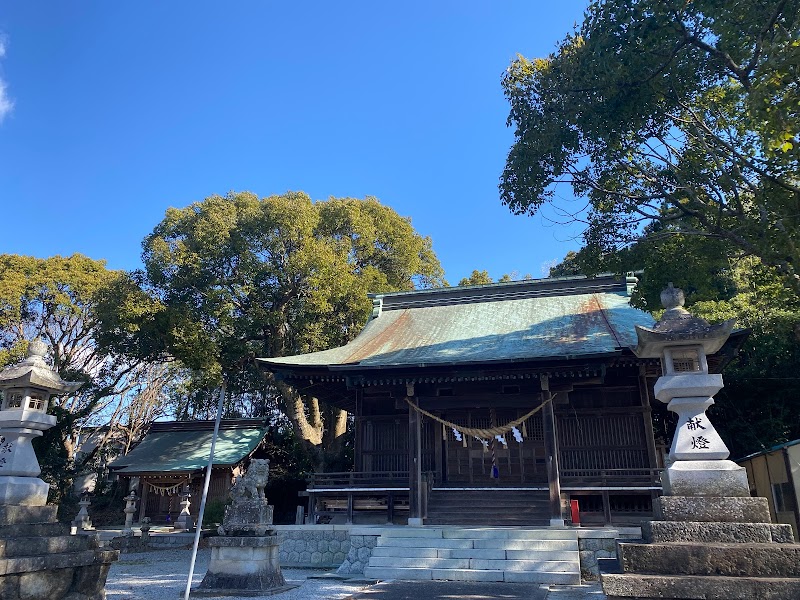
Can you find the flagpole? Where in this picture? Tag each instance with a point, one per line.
(199, 526)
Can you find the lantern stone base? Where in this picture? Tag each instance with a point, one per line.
(713, 478)
(707, 548)
(41, 561)
(23, 491)
(243, 566)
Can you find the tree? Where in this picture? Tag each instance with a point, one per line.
(686, 113)
(240, 277)
(57, 299)
(476, 278)
(759, 404)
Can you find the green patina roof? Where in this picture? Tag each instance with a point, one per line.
(184, 446)
(519, 321)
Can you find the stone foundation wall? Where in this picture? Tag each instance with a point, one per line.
(361, 547)
(315, 546)
(595, 544)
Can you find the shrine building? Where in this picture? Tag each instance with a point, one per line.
(494, 404)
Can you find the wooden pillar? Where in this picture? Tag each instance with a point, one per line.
(143, 499)
(551, 448)
(647, 418)
(414, 460)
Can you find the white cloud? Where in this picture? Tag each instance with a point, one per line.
(6, 105)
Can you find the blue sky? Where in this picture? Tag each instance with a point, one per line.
(122, 109)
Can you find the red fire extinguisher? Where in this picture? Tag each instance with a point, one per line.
(576, 513)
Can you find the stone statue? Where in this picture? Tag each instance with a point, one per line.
(245, 555)
(252, 483)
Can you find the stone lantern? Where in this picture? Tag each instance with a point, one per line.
(26, 391)
(683, 342)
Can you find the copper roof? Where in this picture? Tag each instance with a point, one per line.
(527, 320)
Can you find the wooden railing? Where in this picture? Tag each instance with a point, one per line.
(612, 477)
(353, 479)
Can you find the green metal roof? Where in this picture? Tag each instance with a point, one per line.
(526, 320)
(183, 447)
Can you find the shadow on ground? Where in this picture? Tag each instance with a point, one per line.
(451, 590)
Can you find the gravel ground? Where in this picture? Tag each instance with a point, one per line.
(162, 575)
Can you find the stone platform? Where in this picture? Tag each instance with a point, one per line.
(39, 560)
(709, 549)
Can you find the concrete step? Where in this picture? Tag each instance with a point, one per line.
(698, 587)
(490, 554)
(733, 560)
(14, 514)
(37, 546)
(545, 566)
(382, 573)
(527, 544)
(415, 542)
(419, 562)
(509, 534)
(477, 554)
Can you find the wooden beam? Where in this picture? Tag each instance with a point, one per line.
(551, 448)
(647, 418)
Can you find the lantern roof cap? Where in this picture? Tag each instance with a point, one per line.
(678, 327)
(35, 372)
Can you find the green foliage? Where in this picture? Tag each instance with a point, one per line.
(57, 299)
(759, 405)
(476, 278)
(213, 513)
(238, 277)
(685, 113)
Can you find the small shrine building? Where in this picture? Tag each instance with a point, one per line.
(174, 455)
(494, 404)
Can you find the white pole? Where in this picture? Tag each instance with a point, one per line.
(205, 492)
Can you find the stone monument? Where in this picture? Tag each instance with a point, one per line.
(245, 556)
(39, 559)
(710, 540)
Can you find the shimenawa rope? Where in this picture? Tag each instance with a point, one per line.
(480, 433)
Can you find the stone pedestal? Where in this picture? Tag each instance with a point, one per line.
(243, 566)
(709, 549)
(41, 561)
(245, 558)
(184, 521)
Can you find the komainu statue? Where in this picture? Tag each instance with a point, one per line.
(252, 483)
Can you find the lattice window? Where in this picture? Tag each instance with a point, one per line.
(36, 403)
(684, 361)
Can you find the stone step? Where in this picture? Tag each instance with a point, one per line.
(509, 534)
(33, 530)
(35, 546)
(416, 542)
(14, 514)
(527, 544)
(714, 510)
(697, 587)
(495, 521)
(383, 573)
(419, 562)
(735, 560)
(484, 553)
(66, 560)
(546, 566)
(673, 531)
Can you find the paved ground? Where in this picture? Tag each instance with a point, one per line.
(161, 575)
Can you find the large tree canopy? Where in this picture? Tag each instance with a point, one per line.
(759, 404)
(58, 299)
(681, 112)
(241, 277)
